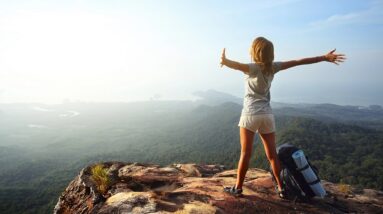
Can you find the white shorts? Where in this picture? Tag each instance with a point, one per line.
(263, 123)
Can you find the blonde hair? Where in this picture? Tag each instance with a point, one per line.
(262, 53)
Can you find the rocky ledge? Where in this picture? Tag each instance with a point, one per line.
(192, 188)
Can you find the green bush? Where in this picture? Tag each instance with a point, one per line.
(101, 178)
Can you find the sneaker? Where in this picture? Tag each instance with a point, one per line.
(233, 191)
(281, 193)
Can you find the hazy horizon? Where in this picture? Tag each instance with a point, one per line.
(124, 51)
(192, 98)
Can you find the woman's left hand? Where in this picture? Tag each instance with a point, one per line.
(334, 58)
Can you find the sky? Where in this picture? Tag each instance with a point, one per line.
(113, 51)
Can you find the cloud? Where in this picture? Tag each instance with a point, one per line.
(371, 16)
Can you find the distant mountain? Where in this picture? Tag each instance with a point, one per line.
(325, 112)
(213, 97)
(371, 117)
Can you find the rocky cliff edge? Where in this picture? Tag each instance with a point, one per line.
(192, 188)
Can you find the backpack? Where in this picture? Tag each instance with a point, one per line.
(293, 180)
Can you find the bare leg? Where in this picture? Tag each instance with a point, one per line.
(268, 141)
(246, 139)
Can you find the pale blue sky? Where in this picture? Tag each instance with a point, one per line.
(134, 50)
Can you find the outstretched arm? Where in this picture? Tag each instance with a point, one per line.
(233, 64)
(329, 57)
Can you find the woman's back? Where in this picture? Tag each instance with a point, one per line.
(257, 89)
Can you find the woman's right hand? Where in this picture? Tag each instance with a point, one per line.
(233, 64)
(334, 58)
(223, 57)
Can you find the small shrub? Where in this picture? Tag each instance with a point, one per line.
(101, 178)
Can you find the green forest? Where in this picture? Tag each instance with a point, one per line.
(41, 151)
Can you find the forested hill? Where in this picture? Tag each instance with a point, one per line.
(343, 153)
(43, 147)
(371, 116)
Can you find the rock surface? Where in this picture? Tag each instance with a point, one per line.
(191, 188)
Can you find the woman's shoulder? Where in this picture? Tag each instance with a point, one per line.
(253, 68)
(277, 66)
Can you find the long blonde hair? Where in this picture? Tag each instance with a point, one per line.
(262, 53)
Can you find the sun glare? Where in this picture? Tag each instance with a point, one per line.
(70, 55)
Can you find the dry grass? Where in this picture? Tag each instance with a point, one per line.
(344, 188)
(101, 178)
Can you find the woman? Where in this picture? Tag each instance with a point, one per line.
(256, 114)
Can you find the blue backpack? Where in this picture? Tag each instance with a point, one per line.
(295, 186)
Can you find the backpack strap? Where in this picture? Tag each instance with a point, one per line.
(303, 168)
(314, 182)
